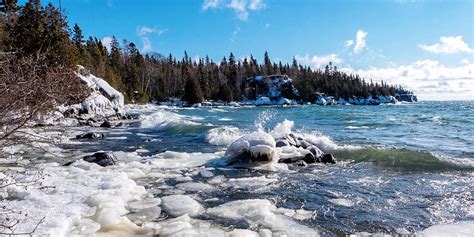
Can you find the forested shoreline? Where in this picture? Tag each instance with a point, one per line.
(34, 29)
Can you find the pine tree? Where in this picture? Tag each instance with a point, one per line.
(192, 91)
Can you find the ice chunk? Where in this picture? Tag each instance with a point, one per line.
(177, 205)
(460, 229)
(250, 182)
(194, 187)
(260, 212)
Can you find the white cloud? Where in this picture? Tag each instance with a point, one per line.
(465, 61)
(256, 5)
(144, 33)
(349, 43)
(317, 61)
(240, 7)
(208, 4)
(360, 41)
(429, 79)
(448, 45)
(106, 41)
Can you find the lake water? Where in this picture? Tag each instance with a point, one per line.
(401, 168)
(407, 166)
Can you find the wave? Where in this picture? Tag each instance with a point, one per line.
(403, 159)
(164, 120)
(223, 136)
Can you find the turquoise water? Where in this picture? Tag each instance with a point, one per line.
(407, 166)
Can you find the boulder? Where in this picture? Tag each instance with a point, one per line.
(301, 163)
(328, 159)
(290, 160)
(282, 142)
(254, 147)
(101, 158)
(106, 124)
(310, 158)
(315, 151)
(90, 135)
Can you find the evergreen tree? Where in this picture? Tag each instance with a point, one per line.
(192, 91)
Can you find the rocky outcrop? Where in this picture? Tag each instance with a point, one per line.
(261, 147)
(270, 90)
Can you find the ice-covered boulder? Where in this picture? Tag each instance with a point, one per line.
(253, 147)
(104, 100)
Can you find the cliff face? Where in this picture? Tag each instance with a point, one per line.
(274, 87)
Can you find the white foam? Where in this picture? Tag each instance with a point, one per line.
(223, 136)
(282, 129)
(163, 119)
(342, 202)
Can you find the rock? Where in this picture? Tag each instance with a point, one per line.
(282, 143)
(328, 159)
(315, 151)
(101, 158)
(310, 158)
(106, 124)
(90, 135)
(178, 205)
(119, 125)
(301, 163)
(70, 113)
(254, 147)
(304, 144)
(290, 160)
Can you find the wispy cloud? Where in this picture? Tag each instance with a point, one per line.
(209, 4)
(429, 79)
(234, 34)
(360, 41)
(358, 44)
(144, 33)
(448, 45)
(318, 61)
(240, 7)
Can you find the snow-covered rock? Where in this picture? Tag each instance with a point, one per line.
(253, 147)
(104, 98)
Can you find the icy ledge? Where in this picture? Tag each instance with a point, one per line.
(104, 98)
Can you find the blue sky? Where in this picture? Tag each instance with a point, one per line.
(422, 44)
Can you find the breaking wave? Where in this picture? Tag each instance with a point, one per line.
(223, 136)
(163, 120)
